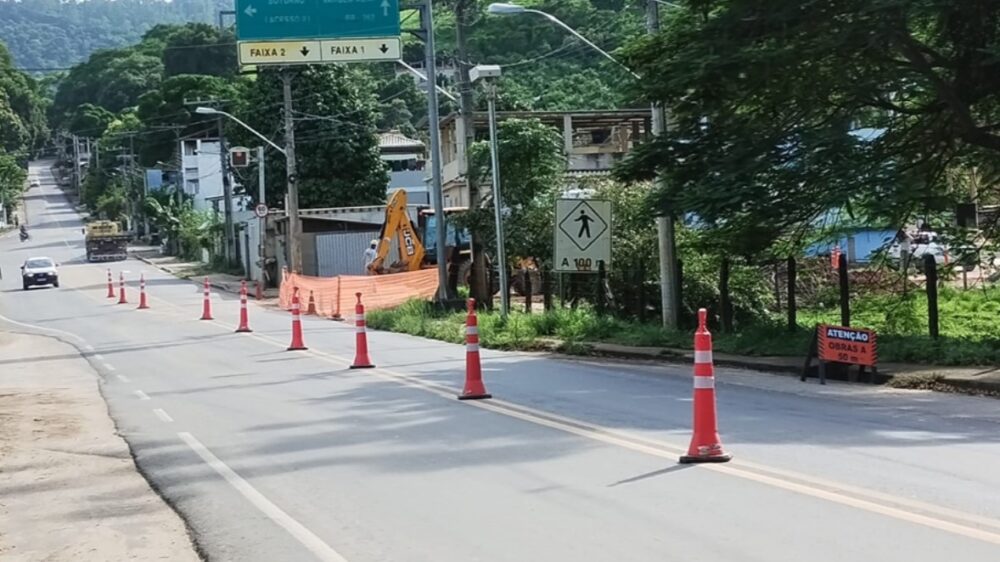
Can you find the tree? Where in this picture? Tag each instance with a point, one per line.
(12, 177)
(90, 120)
(531, 177)
(199, 48)
(336, 146)
(22, 110)
(786, 109)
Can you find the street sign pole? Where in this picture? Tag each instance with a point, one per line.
(263, 220)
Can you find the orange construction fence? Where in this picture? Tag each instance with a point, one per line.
(334, 296)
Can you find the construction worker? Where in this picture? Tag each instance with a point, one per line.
(370, 255)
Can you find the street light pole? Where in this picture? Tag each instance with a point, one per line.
(664, 223)
(493, 71)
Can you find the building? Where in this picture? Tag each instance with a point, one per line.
(407, 163)
(201, 175)
(593, 141)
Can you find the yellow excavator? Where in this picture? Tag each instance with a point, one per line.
(398, 224)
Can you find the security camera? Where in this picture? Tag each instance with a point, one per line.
(484, 71)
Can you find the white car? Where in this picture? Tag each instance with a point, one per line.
(923, 243)
(39, 271)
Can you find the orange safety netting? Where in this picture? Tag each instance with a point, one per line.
(334, 296)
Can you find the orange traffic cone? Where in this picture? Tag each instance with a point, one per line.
(361, 360)
(206, 306)
(705, 443)
(121, 289)
(297, 343)
(142, 293)
(474, 388)
(312, 304)
(244, 320)
(111, 285)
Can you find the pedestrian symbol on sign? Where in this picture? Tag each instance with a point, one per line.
(584, 221)
(583, 225)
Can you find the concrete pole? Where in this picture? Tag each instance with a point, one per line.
(497, 208)
(261, 199)
(227, 195)
(292, 208)
(435, 131)
(665, 223)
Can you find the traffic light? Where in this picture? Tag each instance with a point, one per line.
(239, 157)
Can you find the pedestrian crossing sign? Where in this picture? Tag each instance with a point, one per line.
(583, 235)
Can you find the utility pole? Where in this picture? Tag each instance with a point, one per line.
(292, 208)
(261, 200)
(479, 285)
(227, 195)
(435, 125)
(76, 164)
(664, 223)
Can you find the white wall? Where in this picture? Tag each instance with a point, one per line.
(200, 172)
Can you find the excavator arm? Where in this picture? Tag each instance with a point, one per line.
(397, 224)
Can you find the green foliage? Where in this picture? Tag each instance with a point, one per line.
(90, 120)
(12, 178)
(22, 109)
(57, 34)
(775, 108)
(199, 48)
(531, 176)
(337, 150)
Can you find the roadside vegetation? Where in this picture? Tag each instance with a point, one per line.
(970, 329)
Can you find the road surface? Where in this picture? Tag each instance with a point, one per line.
(277, 455)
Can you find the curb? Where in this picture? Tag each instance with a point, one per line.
(215, 285)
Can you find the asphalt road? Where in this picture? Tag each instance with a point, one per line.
(277, 455)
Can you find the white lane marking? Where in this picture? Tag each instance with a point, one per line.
(306, 537)
(88, 347)
(164, 417)
(141, 395)
(109, 367)
(123, 378)
(99, 357)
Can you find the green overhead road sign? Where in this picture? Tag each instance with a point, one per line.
(262, 20)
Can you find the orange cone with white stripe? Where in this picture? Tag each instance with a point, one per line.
(111, 285)
(705, 443)
(142, 293)
(121, 289)
(312, 304)
(206, 303)
(244, 320)
(297, 343)
(474, 388)
(361, 360)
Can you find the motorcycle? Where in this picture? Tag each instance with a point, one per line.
(24, 236)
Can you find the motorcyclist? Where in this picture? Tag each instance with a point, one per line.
(24, 232)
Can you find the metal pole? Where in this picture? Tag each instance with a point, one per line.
(435, 124)
(664, 224)
(497, 209)
(227, 195)
(261, 200)
(292, 209)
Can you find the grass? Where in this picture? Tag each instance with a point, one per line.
(970, 329)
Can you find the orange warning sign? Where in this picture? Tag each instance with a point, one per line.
(855, 346)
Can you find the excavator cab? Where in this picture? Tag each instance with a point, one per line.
(399, 229)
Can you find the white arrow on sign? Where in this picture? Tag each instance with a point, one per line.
(385, 7)
(250, 11)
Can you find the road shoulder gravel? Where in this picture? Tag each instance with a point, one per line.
(69, 489)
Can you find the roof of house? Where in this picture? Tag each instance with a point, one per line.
(395, 139)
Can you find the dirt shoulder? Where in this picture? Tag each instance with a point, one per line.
(69, 490)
